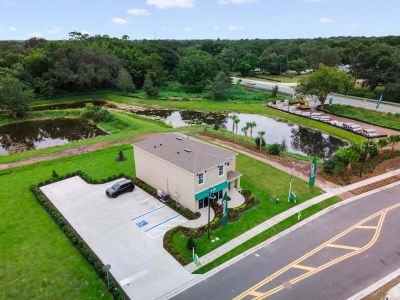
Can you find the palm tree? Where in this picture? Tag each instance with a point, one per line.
(244, 130)
(261, 137)
(233, 117)
(251, 125)
(394, 139)
(382, 143)
(236, 121)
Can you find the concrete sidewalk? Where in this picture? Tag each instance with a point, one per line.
(209, 257)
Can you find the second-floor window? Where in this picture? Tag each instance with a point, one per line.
(220, 170)
(201, 178)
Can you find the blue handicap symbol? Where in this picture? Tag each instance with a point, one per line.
(142, 223)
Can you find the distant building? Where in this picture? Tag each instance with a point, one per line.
(186, 168)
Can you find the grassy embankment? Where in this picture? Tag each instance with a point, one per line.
(366, 115)
(123, 126)
(255, 107)
(264, 182)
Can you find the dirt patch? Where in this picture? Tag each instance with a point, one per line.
(380, 294)
(375, 185)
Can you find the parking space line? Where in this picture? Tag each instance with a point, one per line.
(366, 227)
(149, 212)
(162, 223)
(343, 247)
(301, 267)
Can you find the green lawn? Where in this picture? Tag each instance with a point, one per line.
(264, 181)
(374, 117)
(281, 226)
(37, 260)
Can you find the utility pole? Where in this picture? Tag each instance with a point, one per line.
(365, 157)
(211, 197)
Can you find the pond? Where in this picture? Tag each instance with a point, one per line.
(29, 135)
(298, 139)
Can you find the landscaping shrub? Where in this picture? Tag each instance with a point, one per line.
(275, 149)
(54, 174)
(96, 113)
(121, 156)
(190, 243)
(257, 141)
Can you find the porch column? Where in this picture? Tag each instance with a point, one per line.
(238, 184)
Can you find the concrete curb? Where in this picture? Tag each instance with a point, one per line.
(235, 259)
(365, 292)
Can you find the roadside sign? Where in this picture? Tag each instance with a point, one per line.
(293, 197)
(195, 260)
(224, 209)
(330, 100)
(313, 172)
(379, 101)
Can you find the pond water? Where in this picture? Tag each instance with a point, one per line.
(28, 135)
(298, 139)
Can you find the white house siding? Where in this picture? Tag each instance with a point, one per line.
(167, 177)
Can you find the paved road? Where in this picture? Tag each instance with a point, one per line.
(332, 257)
(289, 89)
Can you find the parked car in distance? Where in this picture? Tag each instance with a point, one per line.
(119, 188)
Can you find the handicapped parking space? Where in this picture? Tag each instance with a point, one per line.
(156, 222)
(125, 232)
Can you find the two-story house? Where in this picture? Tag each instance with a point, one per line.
(186, 168)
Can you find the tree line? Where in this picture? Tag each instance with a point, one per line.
(86, 63)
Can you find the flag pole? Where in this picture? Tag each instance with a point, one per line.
(290, 182)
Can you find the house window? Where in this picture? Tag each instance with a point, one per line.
(201, 178)
(220, 170)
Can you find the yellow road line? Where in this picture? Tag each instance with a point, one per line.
(343, 247)
(366, 227)
(295, 263)
(301, 267)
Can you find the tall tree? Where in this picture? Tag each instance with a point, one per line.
(14, 96)
(326, 80)
(196, 69)
(124, 82)
(218, 88)
(150, 88)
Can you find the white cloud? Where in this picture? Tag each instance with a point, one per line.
(188, 29)
(326, 20)
(237, 1)
(12, 28)
(216, 27)
(54, 29)
(138, 12)
(234, 27)
(119, 21)
(161, 4)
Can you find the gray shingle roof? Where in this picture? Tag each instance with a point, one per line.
(185, 152)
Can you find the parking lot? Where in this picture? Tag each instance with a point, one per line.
(125, 232)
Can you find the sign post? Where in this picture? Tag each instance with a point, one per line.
(379, 101)
(290, 183)
(224, 209)
(313, 172)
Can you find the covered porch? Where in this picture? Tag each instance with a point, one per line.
(233, 179)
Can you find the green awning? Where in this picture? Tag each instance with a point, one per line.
(214, 189)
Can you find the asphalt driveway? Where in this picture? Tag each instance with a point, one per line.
(125, 232)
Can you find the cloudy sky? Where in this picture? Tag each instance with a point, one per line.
(192, 19)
